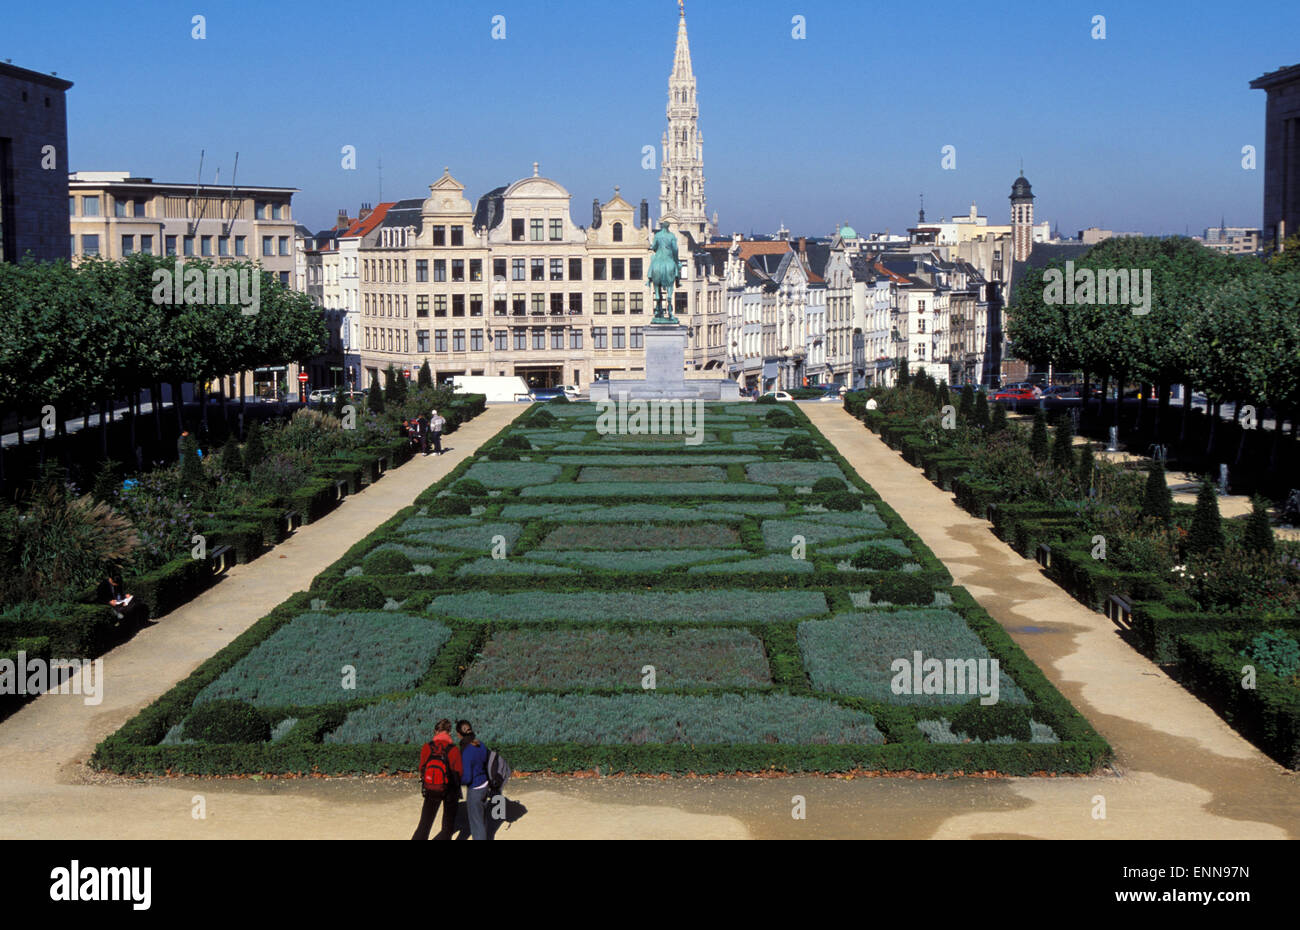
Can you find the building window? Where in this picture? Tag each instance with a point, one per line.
(119, 207)
(499, 269)
(205, 246)
(557, 230)
(516, 230)
(598, 340)
(521, 340)
(72, 205)
(90, 206)
(636, 303)
(618, 232)
(598, 269)
(440, 235)
(518, 268)
(539, 269)
(634, 267)
(223, 246)
(440, 305)
(618, 338)
(601, 303)
(575, 302)
(616, 305)
(539, 303)
(171, 245)
(440, 340)
(421, 270)
(458, 269)
(128, 245)
(638, 342)
(616, 269)
(422, 341)
(557, 304)
(539, 339)
(476, 305)
(537, 230)
(557, 339)
(499, 307)
(476, 340)
(575, 339)
(421, 306)
(458, 340)
(268, 245)
(457, 304)
(575, 269)
(187, 245)
(518, 304)
(241, 246)
(440, 269)
(476, 269)
(458, 235)
(557, 269)
(146, 244)
(680, 301)
(500, 340)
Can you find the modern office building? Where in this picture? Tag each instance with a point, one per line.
(33, 164)
(1281, 153)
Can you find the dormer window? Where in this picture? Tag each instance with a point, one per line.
(618, 232)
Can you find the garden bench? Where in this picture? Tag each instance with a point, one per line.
(1120, 610)
(340, 489)
(221, 559)
(290, 520)
(1044, 555)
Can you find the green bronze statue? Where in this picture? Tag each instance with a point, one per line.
(665, 273)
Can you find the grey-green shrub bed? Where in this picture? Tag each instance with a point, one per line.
(680, 474)
(853, 654)
(302, 662)
(545, 647)
(556, 660)
(638, 719)
(702, 606)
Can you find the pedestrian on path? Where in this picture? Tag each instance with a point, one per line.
(436, 424)
(440, 778)
(423, 427)
(474, 761)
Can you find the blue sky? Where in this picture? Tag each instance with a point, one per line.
(1140, 131)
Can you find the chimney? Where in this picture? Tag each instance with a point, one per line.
(803, 246)
(364, 212)
(343, 221)
(595, 213)
(645, 213)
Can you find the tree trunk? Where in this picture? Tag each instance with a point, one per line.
(202, 390)
(180, 408)
(1187, 412)
(1276, 446)
(1212, 410)
(1119, 398)
(105, 406)
(155, 403)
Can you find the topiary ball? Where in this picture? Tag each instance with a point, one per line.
(765, 399)
(388, 562)
(503, 455)
(878, 558)
(356, 594)
(987, 723)
(469, 487)
(828, 485)
(542, 419)
(226, 722)
(845, 501)
(901, 588)
(450, 507)
(516, 442)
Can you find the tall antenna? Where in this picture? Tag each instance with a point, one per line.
(381, 181)
(192, 224)
(234, 188)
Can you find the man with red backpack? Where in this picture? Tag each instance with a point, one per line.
(440, 776)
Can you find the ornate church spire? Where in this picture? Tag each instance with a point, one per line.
(681, 185)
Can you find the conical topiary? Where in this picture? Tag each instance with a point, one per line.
(967, 407)
(425, 379)
(191, 467)
(1085, 467)
(1038, 438)
(1206, 534)
(997, 418)
(981, 419)
(1063, 446)
(1259, 531)
(375, 398)
(232, 463)
(254, 447)
(902, 373)
(1158, 502)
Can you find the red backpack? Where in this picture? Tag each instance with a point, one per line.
(437, 775)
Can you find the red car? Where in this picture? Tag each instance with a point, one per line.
(1015, 394)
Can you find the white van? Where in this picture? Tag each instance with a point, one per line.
(498, 390)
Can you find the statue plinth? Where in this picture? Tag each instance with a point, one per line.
(665, 372)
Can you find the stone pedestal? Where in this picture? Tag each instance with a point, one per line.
(665, 373)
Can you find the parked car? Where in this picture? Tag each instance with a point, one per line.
(321, 396)
(1034, 389)
(1015, 393)
(1062, 391)
(779, 395)
(542, 394)
(570, 391)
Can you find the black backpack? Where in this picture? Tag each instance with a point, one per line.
(498, 771)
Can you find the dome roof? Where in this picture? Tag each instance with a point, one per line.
(848, 232)
(1021, 189)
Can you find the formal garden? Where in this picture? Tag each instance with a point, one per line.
(627, 604)
(1216, 601)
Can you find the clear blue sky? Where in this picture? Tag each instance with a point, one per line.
(1142, 130)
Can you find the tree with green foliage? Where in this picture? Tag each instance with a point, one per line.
(1259, 531)
(967, 406)
(1158, 502)
(232, 462)
(997, 418)
(254, 446)
(1206, 534)
(425, 379)
(191, 466)
(1063, 446)
(1038, 447)
(108, 482)
(981, 419)
(902, 379)
(375, 399)
(394, 387)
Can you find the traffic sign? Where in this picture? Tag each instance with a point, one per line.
(302, 376)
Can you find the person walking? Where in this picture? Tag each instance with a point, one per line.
(436, 424)
(440, 778)
(474, 759)
(423, 427)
